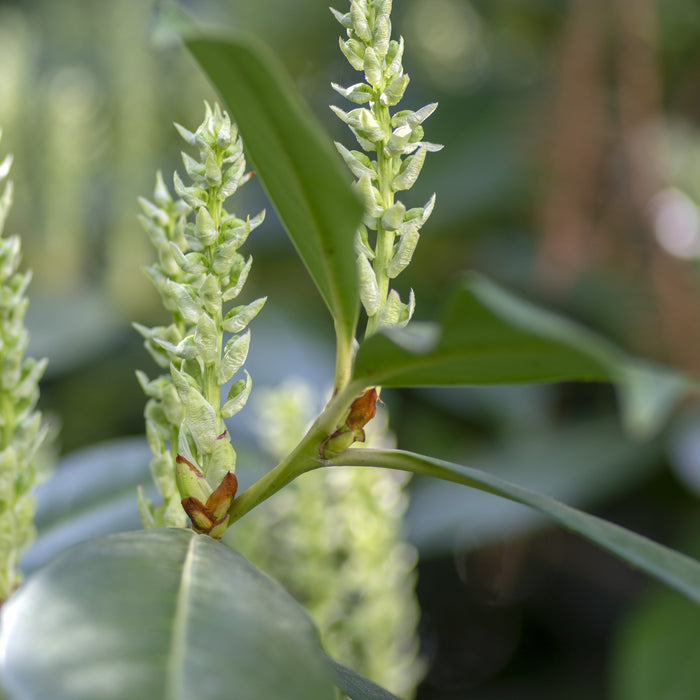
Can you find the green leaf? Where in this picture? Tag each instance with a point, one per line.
(356, 686)
(658, 655)
(297, 165)
(676, 570)
(655, 653)
(491, 337)
(158, 614)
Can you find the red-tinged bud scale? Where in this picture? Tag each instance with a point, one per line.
(362, 410)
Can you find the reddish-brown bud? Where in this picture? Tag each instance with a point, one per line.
(220, 500)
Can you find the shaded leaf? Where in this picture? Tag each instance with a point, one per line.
(158, 614)
(658, 655)
(491, 337)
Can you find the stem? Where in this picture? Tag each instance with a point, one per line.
(418, 464)
(385, 239)
(344, 356)
(305, 456)
(8, 417)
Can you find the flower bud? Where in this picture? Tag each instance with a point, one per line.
(409, 171)
(221, 498)
(369, 289)
(372, 68)
(190, 480)
(205, 227)
(237, 396)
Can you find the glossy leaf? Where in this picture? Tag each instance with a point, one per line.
(676, 570)
(491, 337)
(158, 614)
(301, 172)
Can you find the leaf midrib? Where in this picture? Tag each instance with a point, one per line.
(176, 655)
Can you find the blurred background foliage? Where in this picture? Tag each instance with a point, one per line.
(571, 172)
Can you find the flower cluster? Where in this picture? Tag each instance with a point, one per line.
(198, 271)
(397, 140)
(22, 432)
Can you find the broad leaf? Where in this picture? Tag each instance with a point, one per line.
(491, 337)
(303, 176)
(675, 569)
(159, 614)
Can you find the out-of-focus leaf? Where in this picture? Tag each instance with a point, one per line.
(72, 329)
(158, 614)
(658, 655)
(92, 492)
(672, 568)
(303, 176)
(491, 337)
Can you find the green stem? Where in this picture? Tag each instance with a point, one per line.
(385, 239)
(305, 456)
(211, 384)
(344, 356)
(8, 417)
(417, 464)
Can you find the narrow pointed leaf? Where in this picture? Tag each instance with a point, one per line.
(302, 174)
(158, 614)
(491, 337)
(672, 568)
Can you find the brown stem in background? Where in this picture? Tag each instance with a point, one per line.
(605, 168)
(576, 147)
(677, 309)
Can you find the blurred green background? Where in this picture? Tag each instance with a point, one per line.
(571, 172)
